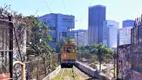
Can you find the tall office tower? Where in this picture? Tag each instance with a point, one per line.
(97, 14)
(128, 23)
(110, 33)
(124, 34)
(59, 25)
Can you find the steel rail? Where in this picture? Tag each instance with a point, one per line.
(60, 77)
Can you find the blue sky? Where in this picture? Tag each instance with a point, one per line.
(117, 10)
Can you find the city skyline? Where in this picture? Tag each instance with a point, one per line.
(117, 11)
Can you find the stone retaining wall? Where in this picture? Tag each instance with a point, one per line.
(53, 74)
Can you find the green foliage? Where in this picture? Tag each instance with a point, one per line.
(101, 53)
(37, 42)
(60, 44)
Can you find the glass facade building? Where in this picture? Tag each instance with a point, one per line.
(97, 14)
(128, 23)
(124, 35)
(110, 28)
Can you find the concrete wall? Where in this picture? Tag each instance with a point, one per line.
(53, 74)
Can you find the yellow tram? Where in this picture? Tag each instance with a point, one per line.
(68, 54)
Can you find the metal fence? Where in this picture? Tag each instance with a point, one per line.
(6, 46)
(12, 45)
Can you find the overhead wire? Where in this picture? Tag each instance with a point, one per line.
(64, 6)
(89, 5)
(50, 12)
(47, 6)
(36, 12)
(48, 21)
(90, 2)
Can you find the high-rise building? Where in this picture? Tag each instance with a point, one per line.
(128, 23)
(81, 37)
(110, 28)
(59, 25)
(97, 14)
(124, 35)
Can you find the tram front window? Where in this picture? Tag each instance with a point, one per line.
(69, 49)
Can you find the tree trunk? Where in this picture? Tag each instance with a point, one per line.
(38, 69)
(44, 66)
(100, 65)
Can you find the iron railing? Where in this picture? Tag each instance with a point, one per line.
(6, 46)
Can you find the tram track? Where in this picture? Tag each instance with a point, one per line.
(70, 76)
(61, 75)
(74, 75)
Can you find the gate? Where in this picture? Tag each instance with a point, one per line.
(6, 48)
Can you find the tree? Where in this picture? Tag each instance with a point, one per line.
(103, 53)
(60, 44)
(38, 38)
(99, 53)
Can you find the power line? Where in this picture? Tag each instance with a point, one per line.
(89, 5)
(90, 2)
(64, 5)
(47, 6)
(36, 12)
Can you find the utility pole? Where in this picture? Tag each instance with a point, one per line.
(59, 35)
(69, 31)
(77, 38)
(117, 62)
(114, 56)
(10, 47)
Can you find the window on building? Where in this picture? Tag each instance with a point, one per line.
(53, 33)
(54, 39)
(45, 23)
(52, 28)
(64, 34)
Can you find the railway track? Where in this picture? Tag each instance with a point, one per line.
(78, 72)
(61, 74)
(71, 74)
